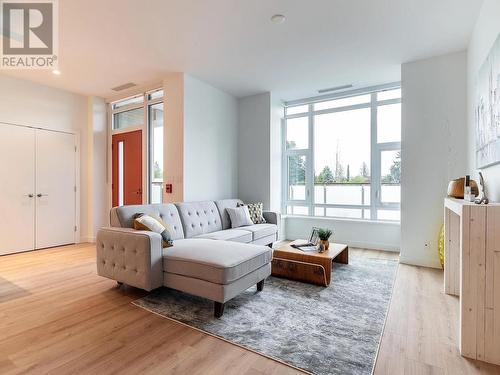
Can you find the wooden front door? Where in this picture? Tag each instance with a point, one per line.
(127, 168)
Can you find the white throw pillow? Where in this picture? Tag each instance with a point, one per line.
(239, 216)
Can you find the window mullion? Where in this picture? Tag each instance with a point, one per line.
(310, 162)
(284, 167)
(375, 160)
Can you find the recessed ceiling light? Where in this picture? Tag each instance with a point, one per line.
(278, 18)
(56, 72)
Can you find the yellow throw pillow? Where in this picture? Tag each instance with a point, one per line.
(154, 224)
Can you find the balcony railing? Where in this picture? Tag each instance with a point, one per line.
(351, 200)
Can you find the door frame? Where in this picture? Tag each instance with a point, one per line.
(145, 136)
(78, 194)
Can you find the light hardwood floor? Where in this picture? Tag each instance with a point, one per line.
(57, 316)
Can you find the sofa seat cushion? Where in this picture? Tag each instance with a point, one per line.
(261, 230)
(236, 235)
(219, 262)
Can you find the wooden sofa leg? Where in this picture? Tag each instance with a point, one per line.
(218, 309)
(260, 286)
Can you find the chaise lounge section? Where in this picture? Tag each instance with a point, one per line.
(209, 259)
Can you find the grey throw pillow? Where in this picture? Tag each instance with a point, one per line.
(255, 210)
(239, 216)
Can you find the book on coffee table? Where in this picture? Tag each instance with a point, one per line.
(307, 247)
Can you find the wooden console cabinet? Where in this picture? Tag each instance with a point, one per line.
(472, 272)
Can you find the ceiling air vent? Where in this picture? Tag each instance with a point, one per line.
(124, 86)
(322, 91)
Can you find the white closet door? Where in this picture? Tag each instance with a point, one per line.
(55, 189)
(17, 189)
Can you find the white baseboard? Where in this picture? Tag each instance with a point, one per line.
(367, 245)
(373, 235)
(373, 246)
(87, 240)
(419, 263)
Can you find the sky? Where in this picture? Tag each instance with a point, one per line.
(350, 131)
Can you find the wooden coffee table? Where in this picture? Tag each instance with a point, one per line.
(309, 267)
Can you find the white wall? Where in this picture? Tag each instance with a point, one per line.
(434, 149)
(200, 140)
(367, 234)
(485, 33)
(277, 113)
(259, 149)
(99, 199)
(173, 136)
(210, 142)
(254, 150)
(27, 103)
(94, 188)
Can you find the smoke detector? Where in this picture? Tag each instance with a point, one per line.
(278, 18)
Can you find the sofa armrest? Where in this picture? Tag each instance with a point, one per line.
(272, 217)
(130, 256)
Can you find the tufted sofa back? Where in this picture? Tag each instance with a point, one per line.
(123, 216)
(199, 218)
(222, 205)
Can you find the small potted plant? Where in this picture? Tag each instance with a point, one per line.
(324, 235)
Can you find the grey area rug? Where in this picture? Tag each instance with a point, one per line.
(333, 330)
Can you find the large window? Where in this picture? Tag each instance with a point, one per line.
(145, 112)
(342, 156)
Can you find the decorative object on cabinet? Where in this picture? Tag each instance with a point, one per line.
(483, 199)
(456, 188)
(441, 246)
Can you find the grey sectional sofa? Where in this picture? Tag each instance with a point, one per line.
(208, 259)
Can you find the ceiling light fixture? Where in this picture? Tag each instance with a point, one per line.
(322, 91)
(278, 18)
(56, 72)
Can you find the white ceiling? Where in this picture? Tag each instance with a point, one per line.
(232, 44)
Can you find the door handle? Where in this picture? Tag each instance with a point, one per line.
(42, 195)
(30, 195)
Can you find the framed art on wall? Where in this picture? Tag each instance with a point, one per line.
(487, 109)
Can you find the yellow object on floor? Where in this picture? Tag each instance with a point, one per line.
(441, 246)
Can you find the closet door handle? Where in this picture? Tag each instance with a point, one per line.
(30, 195)
(42, 195)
